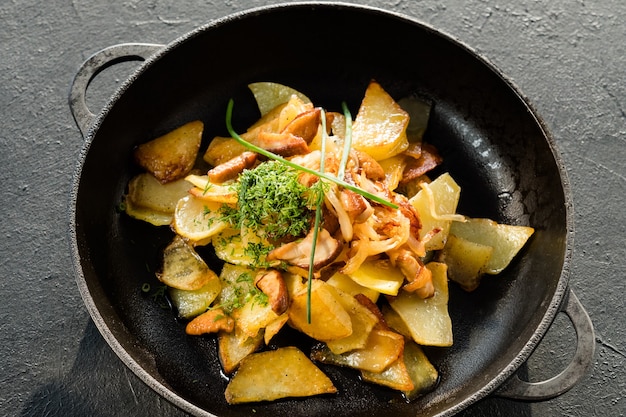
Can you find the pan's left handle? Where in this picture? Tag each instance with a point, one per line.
(518, 389)
(95, 64)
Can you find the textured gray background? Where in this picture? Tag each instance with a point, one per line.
(568, 57)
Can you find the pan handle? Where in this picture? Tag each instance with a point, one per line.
(518, 389)
(95, 64)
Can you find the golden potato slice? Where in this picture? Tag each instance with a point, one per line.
(446, 193)
(379, 275)
(190, 303)
(155, 218)
(506, 240)
(346, 284)
(466, 261)
(393, 167)
(151, 201)
(268, 95)
(183, 268)
(363, 321)
(222, 149)
(395, 322)
(419, 113)
(329, 319)
(232, 247)
(254, 315)
(198, 220)
(379, 128)
(171, 156)
(422, 372)
(274, 327)
(204, 189)
(234, 346)
(382, 349)
(281, 373)
(395, 376)
(427, 319)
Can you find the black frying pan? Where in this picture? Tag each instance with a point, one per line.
(493, 143)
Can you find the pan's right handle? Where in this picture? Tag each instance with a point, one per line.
(518, 389)
(95, 64)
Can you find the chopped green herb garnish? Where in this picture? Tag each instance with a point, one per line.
(270, 155)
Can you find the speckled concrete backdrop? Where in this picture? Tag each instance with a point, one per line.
(567, 56)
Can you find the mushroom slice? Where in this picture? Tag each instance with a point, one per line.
(418, 276)
(372, 169)
(428, 160)
(232, 168)
(273, 285)
(305, 125)
(298, 253)
(283, 144)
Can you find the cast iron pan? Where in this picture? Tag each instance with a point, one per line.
(493, 143)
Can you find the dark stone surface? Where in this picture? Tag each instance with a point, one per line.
(568, 57)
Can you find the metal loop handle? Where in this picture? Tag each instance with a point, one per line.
(95, 64)
(518, 389)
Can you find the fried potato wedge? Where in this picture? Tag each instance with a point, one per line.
(198, 220)
(379, 128)
(268, 95)
(422, 372)
(382, 349)
(149, 200)
(347, 284)
(234, 346)
(445, 194)
(506, 240)
(363, 321)
(190, 303)
(379, 275)
(427, 319)
(395, 376)
(281, 373)
(466, 261)
(183, 268)
(329, 319)
(173, 155)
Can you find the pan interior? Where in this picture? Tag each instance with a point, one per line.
(491, 142)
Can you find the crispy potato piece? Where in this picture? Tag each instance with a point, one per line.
(268, 95)
(379, 128)
(422, 372)
(151, 201)
(204, 189)
(254, 316)
(198, 220)
(183, 268)
(427, 318)
(274, 327)
(446, 193)
(171, 156)
(395, 376)
(466, 261)
(234, 346)
(281, 373)
(379, 275)
(190, 303)
(363, 321)
(393, 167)
(506, 240)
(329, 319)
(347, 284)
(382, 349)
